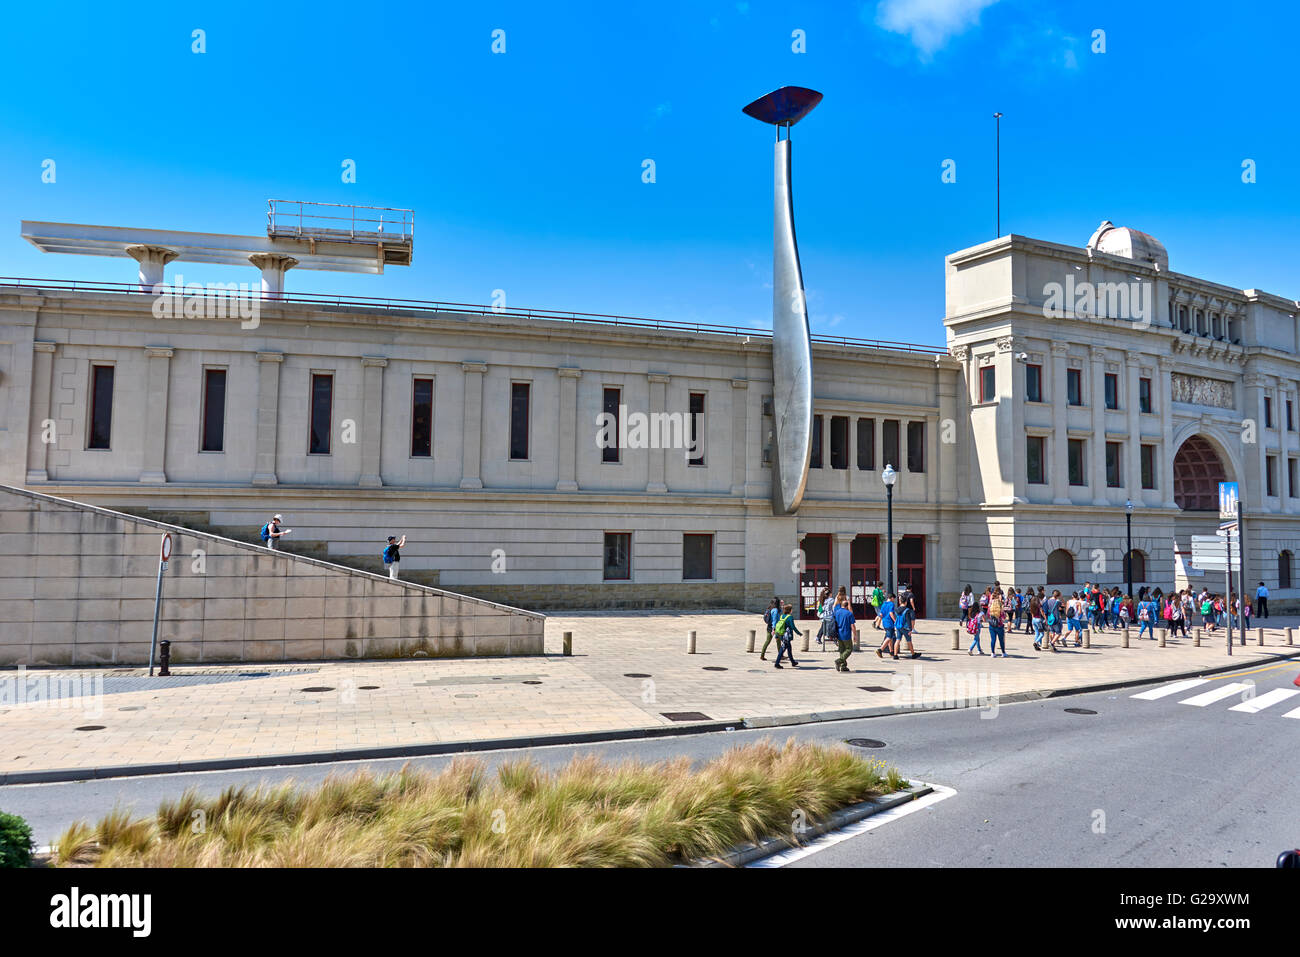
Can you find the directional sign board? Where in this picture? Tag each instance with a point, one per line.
(1210, 553)
(1227, 500)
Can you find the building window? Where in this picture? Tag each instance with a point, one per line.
(988, 384)
(1268, 412)
(1033, 383)
(1291, 468)
(1073, 387)
(1112, 464)
(1148, 466)
(916, 446)
(101, 407)
(618, 556)
(815, 459)
(214, 411)
(612, 400)
(519, 403)
(839, 441)
(1284, 569)
(322, 410)
(1060, 568)
(1112, 390)
(1075, 452)
(1270, 475)
(1290, 422)
(1035, 473)
(422, 418)
(697, 557)
(1137, 569)
(867, 444)
(697, 430)
(1144, 395)
(889, 441)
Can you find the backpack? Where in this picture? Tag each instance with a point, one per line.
(266, 532)
(965, 601)
(1169, 611)
(389, 552)
(995, 606)
(782, 623)
(1144, 612)
(973, 624)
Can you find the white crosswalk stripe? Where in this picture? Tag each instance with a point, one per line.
(1292, 714)
(1174, 688)
(1216, 694)
(1266, 700)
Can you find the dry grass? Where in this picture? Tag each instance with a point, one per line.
(586, 814)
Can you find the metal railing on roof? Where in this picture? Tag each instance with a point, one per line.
(337, 221)
(428, 306)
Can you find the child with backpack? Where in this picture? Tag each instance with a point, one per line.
(973, 625)
(785, 630)
(769, 619)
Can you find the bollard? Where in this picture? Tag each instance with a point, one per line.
(857, 640)
(1162, 636)
(568, 644)
(749, 645)
(956, 638)
(690, 642)
(1197, 641)
(1125, 636)
(1087, 638)
(165, 651)
(1259, 636)
(805, 641)
(1290, 636)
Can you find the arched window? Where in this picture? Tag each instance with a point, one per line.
(1284, 569)
(1060, 568)
(1138, 561)
(1198, 470)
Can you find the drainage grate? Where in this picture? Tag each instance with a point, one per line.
(316, 689)
(637, 674)
(532, 682)
(686, 716)
(1079, 711)
(91, 727)
(864, 742)
(368, 688)
(873, 688)
(714, 668)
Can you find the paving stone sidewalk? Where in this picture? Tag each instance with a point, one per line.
(628, 671)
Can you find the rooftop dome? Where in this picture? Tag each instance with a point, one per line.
(1129, 243)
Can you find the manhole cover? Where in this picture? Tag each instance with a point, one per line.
(532, 682)
(466, 696)
(134, 707)
(91, 727)
(714, 668)
(873, 688)
(369, 688)
(636, 674)
(1079, 711)
(864, 742)
(316, 690)
(686, 716)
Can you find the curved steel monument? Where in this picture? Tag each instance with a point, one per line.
(791, 345)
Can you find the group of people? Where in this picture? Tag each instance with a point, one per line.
(895, 615)
(1054, 618)
(274, 530)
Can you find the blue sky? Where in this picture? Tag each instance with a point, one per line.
(525, 168)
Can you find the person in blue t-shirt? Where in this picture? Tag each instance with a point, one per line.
(889, 622)
(846, 630)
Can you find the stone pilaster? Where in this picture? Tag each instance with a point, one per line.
(739, 434)
(154, 444)
(843, 556)
(656, 457)
(42, 380)
(472, 447)
(268, 416)
(950, 434)
(1131, 467)
(1097, 447)
(1060, 465)
(567, 466)
(372, 420)
(1162, 391)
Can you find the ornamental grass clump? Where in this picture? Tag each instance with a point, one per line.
(585, 814)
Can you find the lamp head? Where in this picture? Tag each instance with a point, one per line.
(784, 107)
(1128, 506)
(889, 476)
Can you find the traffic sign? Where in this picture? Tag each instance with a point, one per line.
(1210, 553)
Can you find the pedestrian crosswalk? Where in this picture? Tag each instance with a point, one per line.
(1212, 692)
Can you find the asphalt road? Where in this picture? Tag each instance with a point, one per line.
(1140, 783)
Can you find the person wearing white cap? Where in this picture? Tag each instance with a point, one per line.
(271, 532)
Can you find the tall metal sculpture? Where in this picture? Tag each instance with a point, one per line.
(792, 380)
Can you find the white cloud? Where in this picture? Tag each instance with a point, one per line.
(930, 23)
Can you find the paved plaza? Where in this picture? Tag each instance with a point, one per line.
(628, 671)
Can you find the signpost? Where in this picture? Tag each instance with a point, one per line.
(165, 552)
(1230, 519)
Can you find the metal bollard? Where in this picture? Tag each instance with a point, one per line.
(690, 642)
(1087, 638)
(568, 644)
(1259, 636)
(165, 658)
(1290, 636)
(749, 645)
(956, 638)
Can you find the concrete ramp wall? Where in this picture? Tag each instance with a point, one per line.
(77, 587)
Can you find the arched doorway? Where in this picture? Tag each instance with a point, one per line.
(1198, 470)
(1060, 568)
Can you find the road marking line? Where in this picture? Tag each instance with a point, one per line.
(1241, 674)
(1174, 688)
(1292, 714)
(940, 793)
(1276, 696)
(1218, 694)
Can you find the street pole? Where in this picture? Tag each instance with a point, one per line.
(997, 162)
(889, 533)
(165, 553)
(1128, 550)
(1227, 586)
(1241, 569)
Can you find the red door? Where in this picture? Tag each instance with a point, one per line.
(816, 574)
(911, 568)
(864, 571)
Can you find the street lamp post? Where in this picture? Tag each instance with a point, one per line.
(1128, 550)
(889, 476)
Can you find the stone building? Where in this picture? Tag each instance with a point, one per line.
(546, 459)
